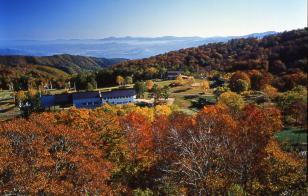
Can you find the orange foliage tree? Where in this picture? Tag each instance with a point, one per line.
(139, 139)
(125, 140)
(40, 157)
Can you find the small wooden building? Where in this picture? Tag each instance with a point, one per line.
(171, 75)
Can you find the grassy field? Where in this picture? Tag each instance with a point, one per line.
(184, 95)
(5, 94)
(294, 135)
(7, 106)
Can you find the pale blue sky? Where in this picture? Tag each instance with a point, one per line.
(80, 19)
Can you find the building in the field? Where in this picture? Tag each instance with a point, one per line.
(171, 75)
(90, 99)
(119, 96)
(63, 100)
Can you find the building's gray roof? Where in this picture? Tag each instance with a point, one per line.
(66, 98)
(118, 93)
(86, 95)
(62, 99)
(175, 72)
(220, 80)
(108, 94)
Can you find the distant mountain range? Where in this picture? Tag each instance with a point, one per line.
(112, 47)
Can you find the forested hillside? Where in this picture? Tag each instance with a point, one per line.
(69, 64)
(279, 53)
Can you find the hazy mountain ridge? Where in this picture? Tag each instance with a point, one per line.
(112, 47)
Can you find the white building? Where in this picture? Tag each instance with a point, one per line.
(119, 96)
(90, 99)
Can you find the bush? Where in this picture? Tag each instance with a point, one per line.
(240, 86)
(234, 84)
(221, 89)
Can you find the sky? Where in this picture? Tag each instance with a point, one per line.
(95, 19)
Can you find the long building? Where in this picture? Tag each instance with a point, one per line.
(90, 99)
(171, 75)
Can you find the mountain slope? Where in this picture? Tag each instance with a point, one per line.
(56, 65)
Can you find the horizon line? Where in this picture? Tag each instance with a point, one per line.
(145, 37)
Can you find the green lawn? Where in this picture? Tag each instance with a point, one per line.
(163, 83)
(8, 109)
(295, 135)
(5, 94)
(184, 95)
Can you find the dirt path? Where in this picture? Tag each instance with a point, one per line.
(151, 101)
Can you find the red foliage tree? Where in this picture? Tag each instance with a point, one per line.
(210, 152)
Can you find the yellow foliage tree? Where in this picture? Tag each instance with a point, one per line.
(191, 80)
(163, 110)
(151, 71)
(147, 113)
(204, 85)
(180, 79)
(19, 97)
(120, 80)
(270, 91)
(233, 100)
(282, 172)
(149, 84)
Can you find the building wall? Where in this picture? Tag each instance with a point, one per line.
(171, 77)
(47, 101)
(89, 103)
(120, 100)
